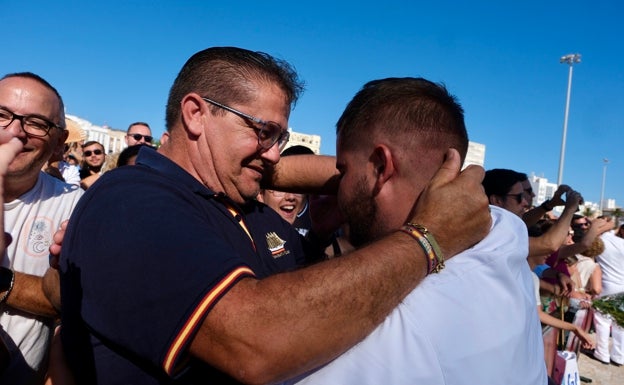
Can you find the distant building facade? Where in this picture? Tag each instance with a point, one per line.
(111, 139)
(313, 142)
(475, 154)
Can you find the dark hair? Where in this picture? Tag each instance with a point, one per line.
(297, 150)
(42, 81)
(129, 152)
(136, 124)
(499, 181)
(91, 143)
(226, 75)
(402, 106)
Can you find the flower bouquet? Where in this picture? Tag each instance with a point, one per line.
(612, 306)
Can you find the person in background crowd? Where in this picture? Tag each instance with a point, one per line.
(235, 310)
(93, 158)
(139, 133)
(293, 207)
(34, 206)
(611, 263)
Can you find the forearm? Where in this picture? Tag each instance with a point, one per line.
(27, 295)
(550, 242)
(284, 325)
(314, 174)
(532, 216)
(547, 319)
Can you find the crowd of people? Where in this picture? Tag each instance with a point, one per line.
(222, 257)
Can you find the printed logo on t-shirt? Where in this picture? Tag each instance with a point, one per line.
(276, 245)
(38, 237)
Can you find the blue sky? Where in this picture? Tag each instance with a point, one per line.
(114, 62)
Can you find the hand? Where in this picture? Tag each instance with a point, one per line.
(10, 146)
(454, 207)
(599, 226)
(573, 200)
(556, 200)
(566, 283)
(55, 247)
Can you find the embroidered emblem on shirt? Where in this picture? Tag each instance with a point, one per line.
(276, 245)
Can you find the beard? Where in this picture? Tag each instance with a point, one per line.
(361, 212)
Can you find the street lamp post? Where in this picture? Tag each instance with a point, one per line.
(604, 178)
(569, 59)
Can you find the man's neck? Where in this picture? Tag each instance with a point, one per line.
(14, 186)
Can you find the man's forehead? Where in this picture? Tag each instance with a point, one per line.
(30, 96)
(139, 127)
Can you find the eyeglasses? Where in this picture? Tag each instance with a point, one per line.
(138, 137)
(586, 224)
(281, 194)
(518, 196)
(268, 133)
(89, 152)
(32, 125)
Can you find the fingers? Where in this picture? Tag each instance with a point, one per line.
(449, 169)
(9, 148)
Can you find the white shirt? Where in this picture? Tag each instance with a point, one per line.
(475, 322)
(32, 219)
(611, 262)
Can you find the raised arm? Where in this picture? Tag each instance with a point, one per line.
(535, 214)
(268, 330)
(551, 241)
(314, 174)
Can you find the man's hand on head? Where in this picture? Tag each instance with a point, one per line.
(454, 207)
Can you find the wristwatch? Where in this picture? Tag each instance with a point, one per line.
(6, 278)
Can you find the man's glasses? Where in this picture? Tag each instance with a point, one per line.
(138, 137)
(95, 152)
(268, 132)
(585, 224)
(32, 125)
(281, 194)
(518, 196)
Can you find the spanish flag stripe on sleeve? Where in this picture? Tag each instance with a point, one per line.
(192, 323)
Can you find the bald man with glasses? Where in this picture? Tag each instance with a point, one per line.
(35, 204)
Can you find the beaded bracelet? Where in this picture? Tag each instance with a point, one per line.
(8, 291)
(435, 259)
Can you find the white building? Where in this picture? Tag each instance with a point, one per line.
(313, 142)
(475, 154)
(112, 140)
(542, 189)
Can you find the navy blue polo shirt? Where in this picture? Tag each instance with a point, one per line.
(148, 252)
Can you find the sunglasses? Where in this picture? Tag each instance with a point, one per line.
(89, 152)
(518, 196)
(138, 137)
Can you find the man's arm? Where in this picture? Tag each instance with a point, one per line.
(26, 292)
(311, 174)
(27, 295)
(268, 330)
(597, 227)
(552, 240)
(535, 214)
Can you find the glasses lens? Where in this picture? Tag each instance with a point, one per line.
(6, 117)
(138, 137)
(96, 152)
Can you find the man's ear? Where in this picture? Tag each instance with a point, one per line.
(383, 164)
(193, 111)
